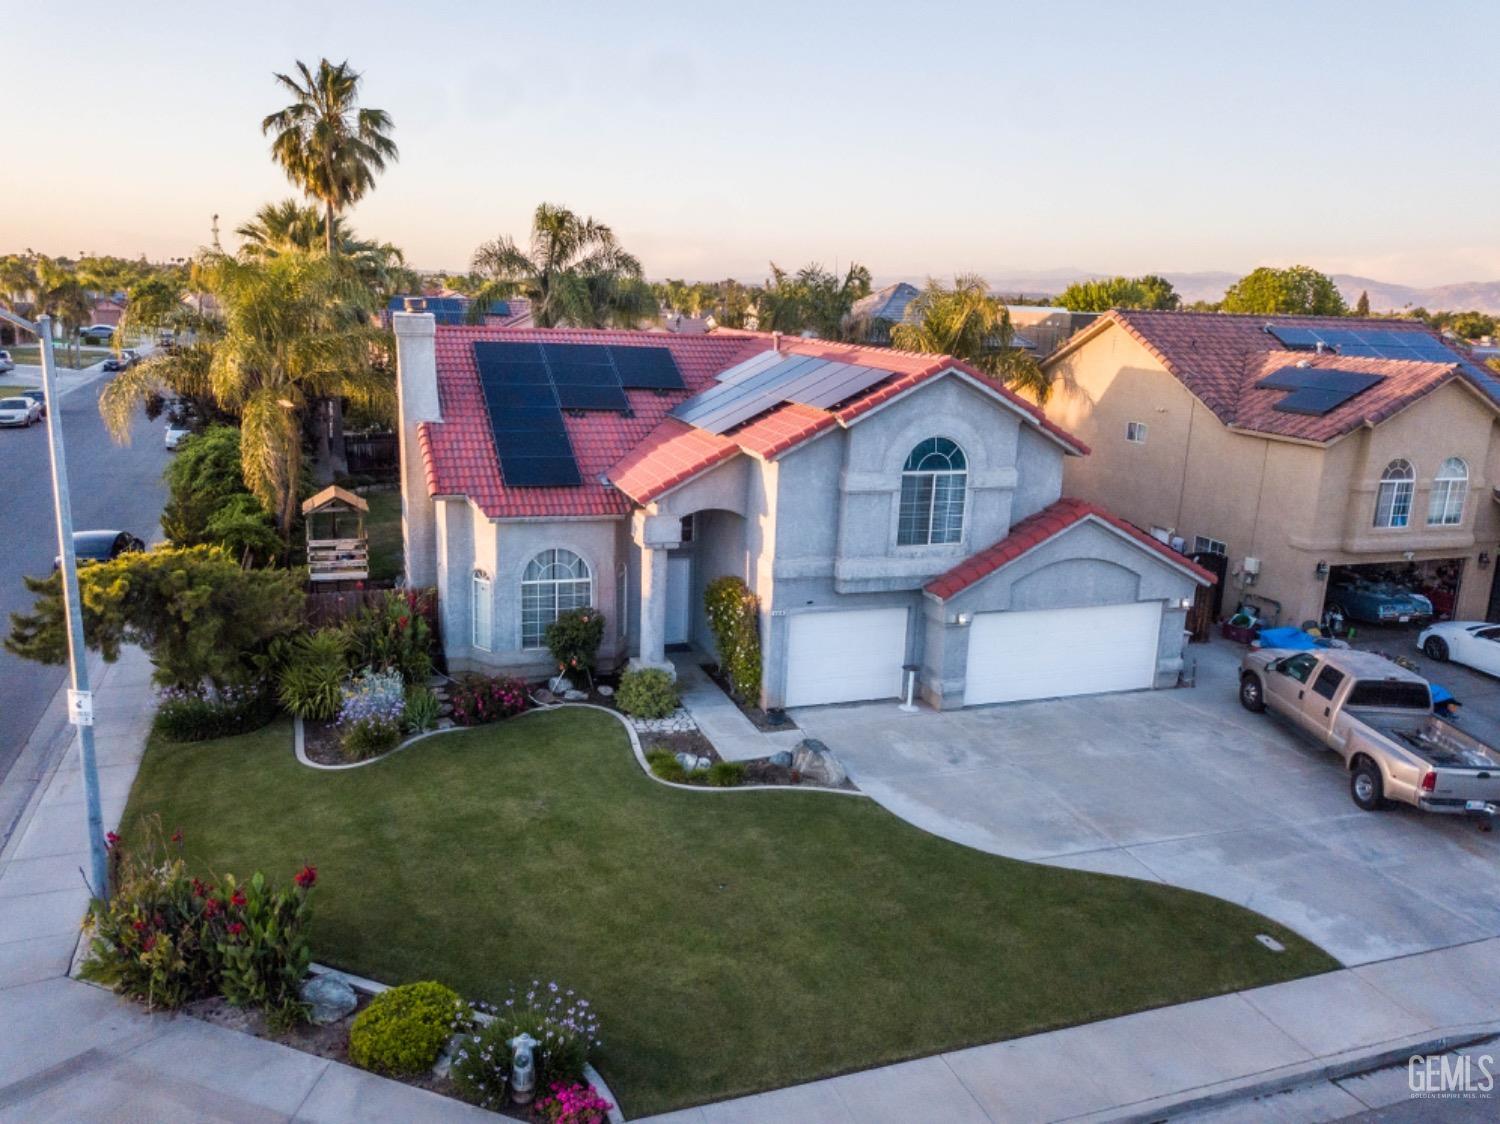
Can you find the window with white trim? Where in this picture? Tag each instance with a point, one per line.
(687, 527)
(1446, 507)
(1202, 544)
(482, 612)
(554, 582)
(1135, 432)
(934, 488)
(1393, 502)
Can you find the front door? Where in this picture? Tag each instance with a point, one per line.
(679, 599)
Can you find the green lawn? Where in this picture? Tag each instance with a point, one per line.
(731, 942)
(7, 390)
(64, 355)
(383, 530)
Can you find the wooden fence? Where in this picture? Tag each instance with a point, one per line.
(373, 454)
(334, 607)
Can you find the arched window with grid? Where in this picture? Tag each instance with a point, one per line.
(1451, 485)
(934, 489)
(554, 582)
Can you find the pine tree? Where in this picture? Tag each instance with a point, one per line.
(1362, 308)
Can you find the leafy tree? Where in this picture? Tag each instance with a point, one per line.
(969, 324)
(1299, 290)
(1362, 306)
(575, 273)
(812, 299)
(329, 145)
(296, 328)
(1149, 291)
(208, 503)
(195, 611)
(1471, 325)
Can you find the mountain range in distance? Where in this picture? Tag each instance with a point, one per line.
(1385, 296)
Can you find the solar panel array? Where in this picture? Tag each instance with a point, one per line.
(1316, 391)
(447, 310)
(1365, 342)
(766, 381)
(527, 386)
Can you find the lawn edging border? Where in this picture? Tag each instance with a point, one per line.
(299, 747)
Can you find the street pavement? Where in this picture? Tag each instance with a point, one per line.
(113, 486)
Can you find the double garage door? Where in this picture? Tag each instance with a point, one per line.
(857, 654)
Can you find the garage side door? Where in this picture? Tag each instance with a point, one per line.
(845, 656)
(1055, 652)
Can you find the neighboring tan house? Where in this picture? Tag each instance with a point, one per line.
(1306, 450)
(887, 509)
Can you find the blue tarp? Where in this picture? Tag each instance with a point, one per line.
(1292, 638)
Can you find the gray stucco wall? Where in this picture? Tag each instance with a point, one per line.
(1086, 565)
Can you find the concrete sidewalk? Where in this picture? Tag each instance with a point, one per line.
(720, 720)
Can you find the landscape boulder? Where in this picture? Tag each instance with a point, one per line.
(816, 762)
(328, 999)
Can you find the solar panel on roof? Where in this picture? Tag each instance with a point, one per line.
(505, 396)
(647, 368)
(1313, 402)
(1317, 390)
(1294, 338)
(581, 396)
(540, 472)
(507, 350)
(593, 354)
(585, 374)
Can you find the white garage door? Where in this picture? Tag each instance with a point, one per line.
(845, 656)
(1053, 652)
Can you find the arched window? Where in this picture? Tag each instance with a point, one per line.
(933, 486)
(483, 615)
(1446, 508)
(554, 582)
(1393, 504)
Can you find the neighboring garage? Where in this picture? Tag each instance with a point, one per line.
(1049, 653)
(849, 655)
(1074, 601)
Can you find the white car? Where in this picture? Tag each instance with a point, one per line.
(19, 411)
(1475, 644)
(177, 434)
(6, 362)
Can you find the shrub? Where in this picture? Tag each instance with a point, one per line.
(726, 774)
(564, 1024)
(664, 765)
(404, 1029)
(734, 615)
(646, 692)
(312, 679)
(371, 713)
(261, 936)
(394, 635)
(481, 1066)
(478, 698)
(574, 638)
(421, 709)
(573, 1104)
(192, 714)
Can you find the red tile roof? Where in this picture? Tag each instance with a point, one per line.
(1220, 357)
(1036, 529)
(623, 459)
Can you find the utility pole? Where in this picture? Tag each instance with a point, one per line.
(80, 698)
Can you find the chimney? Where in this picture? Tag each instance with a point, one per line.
(416, 402)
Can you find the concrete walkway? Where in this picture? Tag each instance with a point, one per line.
(72, 1052)
(734, 736)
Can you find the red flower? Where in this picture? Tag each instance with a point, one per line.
(306, 877)
(138, 925)
(403, 621)
(237, 898)
(235, 928)
(177, 836)
(111, 840)
(199, 889)
(212, 908)
(150, 943)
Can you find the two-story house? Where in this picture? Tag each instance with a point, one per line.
(888, 510)
(1308, 451)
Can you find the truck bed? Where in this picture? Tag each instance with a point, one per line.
(1440, 743)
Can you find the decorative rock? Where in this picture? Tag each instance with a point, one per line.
(560, 684)
(444, 710)
(445, 724)
(605, 692)
(328, 999)
(816, 762)
(436, 681)
(576, 696)
(692, 762)
(782, 758)
(545, 697)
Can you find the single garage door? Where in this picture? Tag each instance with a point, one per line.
(845, 656)
(1053, 652)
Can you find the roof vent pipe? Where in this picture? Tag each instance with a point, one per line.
(1319, 346)
(776, 342)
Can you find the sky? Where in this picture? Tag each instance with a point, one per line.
(918, 139)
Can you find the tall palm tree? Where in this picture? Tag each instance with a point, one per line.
(289, 226)
(60, 294)
(329, 145)
(296, 328)
(969, 324)
(576, 273)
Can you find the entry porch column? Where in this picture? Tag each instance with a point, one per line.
(655, 535)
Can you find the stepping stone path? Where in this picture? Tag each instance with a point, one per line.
(678, 722)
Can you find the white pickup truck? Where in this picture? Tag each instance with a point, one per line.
(1378, 717)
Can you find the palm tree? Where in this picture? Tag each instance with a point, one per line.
(60, 294)
(813, 299)
(296, 328)
(288, 226)
(575, 274)
(329, 145)
(967, 323)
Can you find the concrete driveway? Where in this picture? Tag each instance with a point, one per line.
(1183, 787)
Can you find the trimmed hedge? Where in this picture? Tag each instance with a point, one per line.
(734, 616)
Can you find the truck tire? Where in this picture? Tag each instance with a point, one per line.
(1436, 649)
(1366, 786)
(1251, 693)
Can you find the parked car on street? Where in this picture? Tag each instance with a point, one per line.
(19, 411)
(114, 363)
(1474, 644)
(1377, 602)
(1378, 717)
(177, 433)
(7, 364)
(101, 546)
(39, 397)
(131, 356)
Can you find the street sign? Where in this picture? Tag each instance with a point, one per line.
(81, 707)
